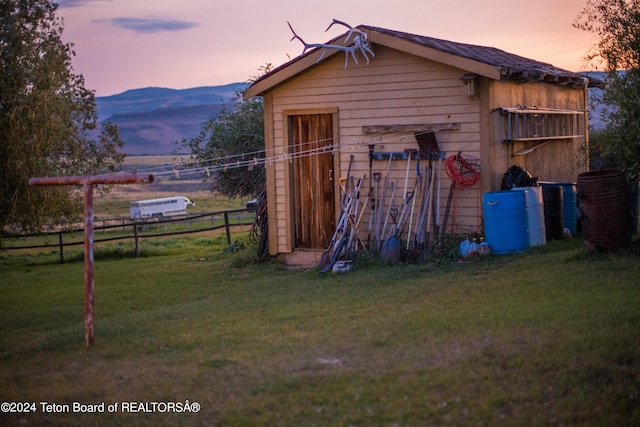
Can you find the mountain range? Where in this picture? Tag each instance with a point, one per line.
(152, 119)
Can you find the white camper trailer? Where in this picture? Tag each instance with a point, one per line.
(158, 208)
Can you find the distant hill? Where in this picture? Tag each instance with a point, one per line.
(151, 119)
(595, 111)
(596, 120)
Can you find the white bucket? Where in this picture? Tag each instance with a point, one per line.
(535, 214)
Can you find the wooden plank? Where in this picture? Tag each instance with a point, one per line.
(411, 128)
(544, 138)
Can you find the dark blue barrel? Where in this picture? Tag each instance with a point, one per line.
(553, 211)
(505, 221)
(570, 210)
(570, 206)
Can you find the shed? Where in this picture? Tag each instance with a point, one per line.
(496, 108)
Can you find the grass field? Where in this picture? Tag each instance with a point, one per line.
(115, 203)
(547, 337)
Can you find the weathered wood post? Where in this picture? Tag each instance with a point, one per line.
(61, 247)
(87, 183)
(136, 239)
(227, 227)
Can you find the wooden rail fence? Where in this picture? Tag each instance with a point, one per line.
(140, 229)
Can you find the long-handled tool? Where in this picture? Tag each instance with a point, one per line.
(374, 208)
(419, 232)
(369, 196)
(413, 206)
(348, 227)
(354, 213)
(407, 196)
(325, 258)
(443, 229)
(429, 210)
(378, 233)
(383, 235)
(428, 143)
(438, 209)
(418, 187)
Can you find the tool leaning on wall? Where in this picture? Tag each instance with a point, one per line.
(415, 221)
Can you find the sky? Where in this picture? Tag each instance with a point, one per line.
(179, 44)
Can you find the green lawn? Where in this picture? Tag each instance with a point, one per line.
(547, 337)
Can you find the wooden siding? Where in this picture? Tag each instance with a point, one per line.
(557, 160)
(399, 88)
(395, 88)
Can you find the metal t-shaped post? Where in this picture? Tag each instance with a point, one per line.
(88, 182)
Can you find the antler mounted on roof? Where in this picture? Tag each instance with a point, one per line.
(360, 44)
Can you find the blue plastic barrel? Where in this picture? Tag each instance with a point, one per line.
(535, 214)
(570, 206)
(505, 221)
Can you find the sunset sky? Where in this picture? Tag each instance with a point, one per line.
(128, 44)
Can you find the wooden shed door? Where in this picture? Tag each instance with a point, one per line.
(313, 180)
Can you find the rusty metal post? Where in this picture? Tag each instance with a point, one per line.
(89, 283)
(88, 182)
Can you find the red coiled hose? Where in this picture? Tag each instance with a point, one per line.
(461, 172)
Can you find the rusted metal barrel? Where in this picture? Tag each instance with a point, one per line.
(604, 209)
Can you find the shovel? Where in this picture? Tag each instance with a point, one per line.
(427, 142)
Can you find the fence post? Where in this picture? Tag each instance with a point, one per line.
(61, 247)
(227, 227)
(136, 240)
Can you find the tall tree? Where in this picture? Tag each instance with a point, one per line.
(48, 119)
(235, 134)
(617, 25)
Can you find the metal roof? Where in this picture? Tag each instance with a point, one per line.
(487, 61)
(514, 67)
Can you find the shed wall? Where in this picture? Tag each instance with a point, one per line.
(394, 89)
(402, 89)
(557, 161)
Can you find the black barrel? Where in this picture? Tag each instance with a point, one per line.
(553, 211)
(604, 209)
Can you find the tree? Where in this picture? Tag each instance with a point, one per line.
(236, 134)
(617, 25)
(47, 117)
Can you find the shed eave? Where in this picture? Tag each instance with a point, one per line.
(288, 71)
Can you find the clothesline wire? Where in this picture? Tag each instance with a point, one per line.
(257, 158)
